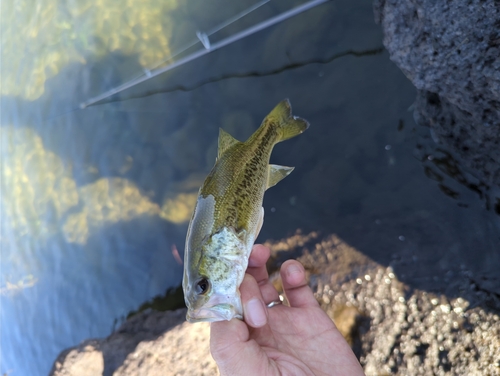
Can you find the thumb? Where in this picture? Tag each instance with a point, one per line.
(230, 344)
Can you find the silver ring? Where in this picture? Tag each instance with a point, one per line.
(274, 303)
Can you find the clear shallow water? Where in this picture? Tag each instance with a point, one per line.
(93, 201)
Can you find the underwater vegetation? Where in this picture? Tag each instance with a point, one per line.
(42, 42)
(40, 194)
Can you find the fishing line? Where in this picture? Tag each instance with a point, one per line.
(208, 48)
(272, 72)
(201, 37)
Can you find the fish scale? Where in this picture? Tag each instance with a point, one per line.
(228, 216)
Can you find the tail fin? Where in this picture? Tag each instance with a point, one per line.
(289, 126)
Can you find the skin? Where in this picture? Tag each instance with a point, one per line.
(296, 340)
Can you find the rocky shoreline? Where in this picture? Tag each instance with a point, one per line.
(394, 329)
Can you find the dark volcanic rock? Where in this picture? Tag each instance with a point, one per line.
(451, 53)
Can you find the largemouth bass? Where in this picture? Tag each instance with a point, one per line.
(228, 217)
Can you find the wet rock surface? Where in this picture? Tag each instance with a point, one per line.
(393, 329)
(451, 53)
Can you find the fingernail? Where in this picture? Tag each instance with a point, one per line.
(256, 314)
(293, 269)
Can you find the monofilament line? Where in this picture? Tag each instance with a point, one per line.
(213, 47)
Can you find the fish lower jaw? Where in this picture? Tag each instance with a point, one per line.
(216, 313)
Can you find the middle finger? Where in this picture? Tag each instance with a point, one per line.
(257, 263)
(257, 269)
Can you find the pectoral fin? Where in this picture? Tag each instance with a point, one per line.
(225, 142)
(228, 244)
(276, 173)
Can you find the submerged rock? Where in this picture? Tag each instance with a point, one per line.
(451, 53)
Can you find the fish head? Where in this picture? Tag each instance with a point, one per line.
(211, 296)
(211, 289)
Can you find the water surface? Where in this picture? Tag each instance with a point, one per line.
(95, 202)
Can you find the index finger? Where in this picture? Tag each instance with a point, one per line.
(257, 269)
(257, 263)
(259, 256)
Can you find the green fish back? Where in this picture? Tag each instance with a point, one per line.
(242, 173)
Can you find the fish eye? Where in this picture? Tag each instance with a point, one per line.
(202, 286)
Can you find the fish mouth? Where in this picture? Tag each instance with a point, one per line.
(219, 312)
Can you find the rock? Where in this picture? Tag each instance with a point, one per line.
(183, 350)
(81, 361)
(347, 319)
(393, 328)
(451, 53)
(150, 343)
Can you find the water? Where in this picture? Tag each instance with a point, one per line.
(94, 201)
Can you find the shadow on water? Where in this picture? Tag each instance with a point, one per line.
(172, 300)
(433, 242)
(440, 163)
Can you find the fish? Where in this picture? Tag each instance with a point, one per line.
(228, 216)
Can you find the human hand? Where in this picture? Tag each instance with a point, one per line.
(297, 340)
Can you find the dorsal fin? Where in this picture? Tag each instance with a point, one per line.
(225, 142)
(276, 173)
